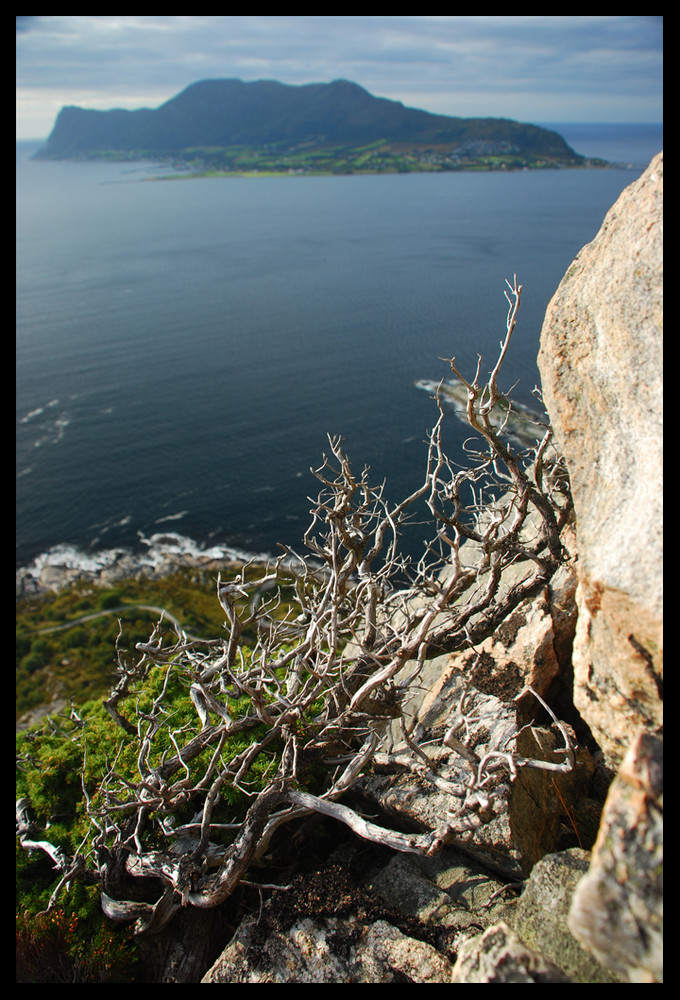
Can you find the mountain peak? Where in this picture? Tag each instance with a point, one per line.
(229, 113)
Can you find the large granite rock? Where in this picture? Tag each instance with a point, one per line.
(601, 368)
(329, 950)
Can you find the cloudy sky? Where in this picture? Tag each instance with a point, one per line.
(605, 68)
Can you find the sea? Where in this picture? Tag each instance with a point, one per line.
(185, 347)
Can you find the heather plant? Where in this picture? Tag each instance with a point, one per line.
(61, 947)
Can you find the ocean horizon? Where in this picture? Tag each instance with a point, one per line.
(184, 349)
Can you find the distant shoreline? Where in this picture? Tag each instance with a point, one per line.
(64, 565)
(343, 164)
(472, 168)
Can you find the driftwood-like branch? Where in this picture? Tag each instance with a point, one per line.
(318, 656)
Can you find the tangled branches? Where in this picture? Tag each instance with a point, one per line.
(224, 741)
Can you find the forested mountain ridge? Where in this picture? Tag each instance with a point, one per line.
(267, 115)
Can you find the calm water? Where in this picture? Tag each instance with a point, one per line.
(184, 347)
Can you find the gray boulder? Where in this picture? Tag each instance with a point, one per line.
(329, 950)
(325, 929)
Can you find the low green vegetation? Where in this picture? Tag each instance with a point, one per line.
(373, 158)
(378, 157)
(66, 649)
(61, 652)
(65, 642)
(57, 761)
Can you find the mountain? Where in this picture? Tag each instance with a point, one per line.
(265, 114)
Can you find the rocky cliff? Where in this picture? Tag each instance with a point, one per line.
(564, 884)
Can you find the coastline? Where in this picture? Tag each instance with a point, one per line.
(166, 553)
(481, 167)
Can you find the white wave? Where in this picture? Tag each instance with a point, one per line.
(162, 545)
(71, 557)
(53, 431)
(38, 410)
(32, 414)
(163, 552)
(171, 517)
(60, 426)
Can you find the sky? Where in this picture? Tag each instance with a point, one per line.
(605, 68)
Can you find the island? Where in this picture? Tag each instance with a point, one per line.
(216, 127)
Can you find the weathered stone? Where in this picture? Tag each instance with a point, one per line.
(448, 890)
(540, 917)
(601, 369)
(618, 680)
(499, 956)
(617, 910)
(329, 950)
(330, 926)
(403, 885)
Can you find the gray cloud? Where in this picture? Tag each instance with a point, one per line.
(562, 68)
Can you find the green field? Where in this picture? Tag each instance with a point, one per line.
(307, 159)
(65, 642)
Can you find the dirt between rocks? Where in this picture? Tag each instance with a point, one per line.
(331, 892)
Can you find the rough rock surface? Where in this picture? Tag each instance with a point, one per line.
(448, 891)
(415, 920)
(330, 950)
(617, 910)
(601, 369)
(499, 956)
(325, 929)
(540, 916)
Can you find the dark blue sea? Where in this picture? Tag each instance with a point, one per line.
(185, 346)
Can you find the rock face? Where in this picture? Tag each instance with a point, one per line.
(324, 929)
(540, 917)
(601, 368)
(330, 950)
(537, 811)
